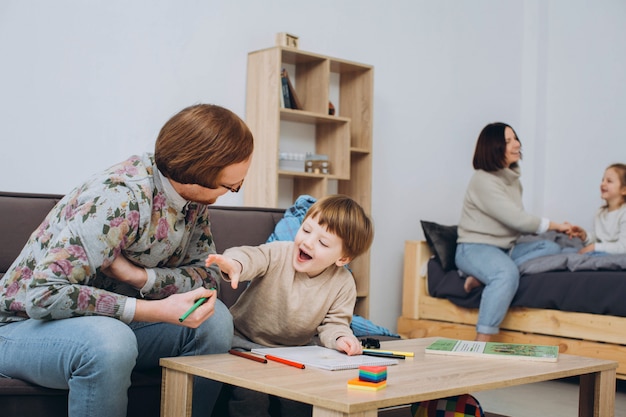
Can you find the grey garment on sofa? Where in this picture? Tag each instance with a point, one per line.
(570, 260)
(574, 262)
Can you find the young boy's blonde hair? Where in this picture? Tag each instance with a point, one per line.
(345, 218)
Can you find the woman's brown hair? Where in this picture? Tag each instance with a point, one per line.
(197, 143)
(491, 148)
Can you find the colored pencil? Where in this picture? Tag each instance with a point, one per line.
(285, 361)
(393, 352)
(384, 355)
(247, 355)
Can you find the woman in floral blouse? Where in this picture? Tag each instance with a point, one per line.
(99, 288)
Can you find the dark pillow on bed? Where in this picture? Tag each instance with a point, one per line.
(442, 241)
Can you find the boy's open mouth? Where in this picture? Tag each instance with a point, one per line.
(305, 256)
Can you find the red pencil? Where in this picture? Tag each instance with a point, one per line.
(285, 361)
(247, 355)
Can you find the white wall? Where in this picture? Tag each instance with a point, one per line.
(85, 83)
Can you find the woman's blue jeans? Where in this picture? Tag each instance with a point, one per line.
(498, 269)
(94, 356)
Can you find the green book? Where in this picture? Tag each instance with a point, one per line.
(494, 349)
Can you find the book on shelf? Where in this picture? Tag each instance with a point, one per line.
(289, 93)
(284, 89)
(324, 358)
(281, 95)
(494, 349)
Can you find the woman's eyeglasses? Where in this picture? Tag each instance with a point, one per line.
(233, 189)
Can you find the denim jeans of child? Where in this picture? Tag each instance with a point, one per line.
(94, 356)
(497, 268)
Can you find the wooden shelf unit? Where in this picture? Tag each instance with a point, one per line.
(345, 137)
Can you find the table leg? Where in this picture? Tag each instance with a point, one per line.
(597, 394)
(176, 393)
(324, 412)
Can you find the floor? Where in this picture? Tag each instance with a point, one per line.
(406, 412)
(552, 398)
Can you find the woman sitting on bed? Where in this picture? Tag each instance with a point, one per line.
(492, 220)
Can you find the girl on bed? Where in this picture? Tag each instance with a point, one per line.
(492, 219)
(609, 223)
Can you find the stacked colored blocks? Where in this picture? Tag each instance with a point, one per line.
(373, 374)
(371, 378)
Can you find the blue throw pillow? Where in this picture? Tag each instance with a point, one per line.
(288, 226)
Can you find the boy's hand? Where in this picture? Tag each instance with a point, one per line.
(350, 345)
(228, 266)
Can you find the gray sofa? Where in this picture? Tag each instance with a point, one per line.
(21, 213)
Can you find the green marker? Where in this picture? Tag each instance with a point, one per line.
(194, 307)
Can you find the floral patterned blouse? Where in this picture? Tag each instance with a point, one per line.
(129, 210)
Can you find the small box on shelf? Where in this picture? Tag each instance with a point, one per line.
(317, 164)
(289, 161)
(287, 39)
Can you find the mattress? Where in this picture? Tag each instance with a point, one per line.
(596, 292)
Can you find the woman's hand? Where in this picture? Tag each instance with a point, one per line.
(170, 309)
(561, 227)
(228, 266)
(125, 271)
(350, 345)
(578, 231)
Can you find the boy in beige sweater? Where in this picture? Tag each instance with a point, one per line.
(298, 290)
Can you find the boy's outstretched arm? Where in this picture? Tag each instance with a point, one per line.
(228, 266)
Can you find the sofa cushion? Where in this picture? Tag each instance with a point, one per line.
(19, 398)
(20, 214)
(238, 226)
(442, 241)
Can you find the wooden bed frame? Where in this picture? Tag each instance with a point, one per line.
(583, 334)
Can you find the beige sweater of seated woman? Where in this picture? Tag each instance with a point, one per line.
(493, 212)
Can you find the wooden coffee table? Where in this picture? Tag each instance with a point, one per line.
(421, 378)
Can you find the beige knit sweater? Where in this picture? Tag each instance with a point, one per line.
(493, 211)
(282, 307)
